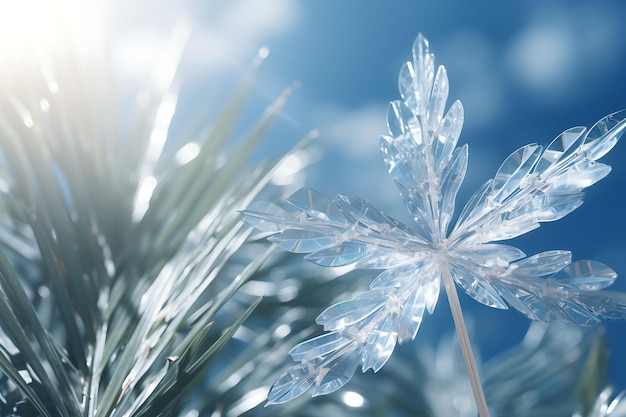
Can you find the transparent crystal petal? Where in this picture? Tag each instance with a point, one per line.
(543, 263)
(453, 176)
(432, 287)
(586, 275)
(265, 216)
(477, 286)
(341, 255)
(319, 346)
(412, 313)
(604, 135)
(337, 372)
(525, 302)
(437, 102)
(424, 63)
(448, 135)
(607, 304)
(560, 146)
(534, 306)
(401, 122)
(379, 345)
(384, 259)
(316, 205)
(490, 254)
(572, 312)
(347, 313)
(303, 241)
(403, 171)
(357, 210)
(513, 171)
(397, 277)
(293, 383)
(477, 205)
(581, 175)
(555, 206)
(408, 87)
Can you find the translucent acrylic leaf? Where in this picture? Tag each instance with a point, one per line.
(303, 241)
(604, 135)
(379, 345)
(401, 122)
(513, 171)
(573, 312)
(586, 275)
(347, 313)
(607, 304)
(265, 216)
(316, 205)
(448, 135)
(293, 383)
(412, 313)
(477, 287)
(319, 346)
(490, 254)
(453, 176)
(360, 211)
(437, 101)
(544, 263)
(581, 175)
(345, 254)
(559, 147)
(337, 372)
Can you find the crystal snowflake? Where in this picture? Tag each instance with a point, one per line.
(534, 184)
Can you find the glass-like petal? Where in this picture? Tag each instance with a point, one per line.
(581, 175)
(319, 346)
(608, 304)
(572, 312)
(586, 275)
(316, 205)
(379, 345)
(412, 313)
(347, 313)
(383, 259)
(424, 63)
(477, 286)
(337, 372)
(490, 254)
(559, 147)
(453, 176)
(401, 122)
(303, 241)
(265, 216)
(293, 383)
(604, 135)
(513, 171)
(544, 263)
(437, 101)
(448, 135)
(345, 254)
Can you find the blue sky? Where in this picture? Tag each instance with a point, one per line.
(525, 71)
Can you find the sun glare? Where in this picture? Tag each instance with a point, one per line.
(38, 28)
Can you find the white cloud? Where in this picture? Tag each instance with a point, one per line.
(561, 46)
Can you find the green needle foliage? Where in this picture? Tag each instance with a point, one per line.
(116, 257)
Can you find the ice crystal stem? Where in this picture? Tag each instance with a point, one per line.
(466, 347)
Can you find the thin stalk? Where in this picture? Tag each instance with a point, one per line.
(466, 347)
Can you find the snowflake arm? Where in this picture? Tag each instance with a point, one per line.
(338, 232)
(536, 185)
